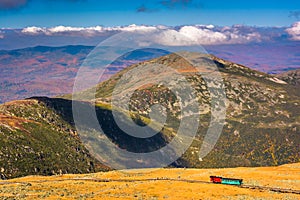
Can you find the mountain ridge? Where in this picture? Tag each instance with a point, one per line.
(50, 71)
(254, 99)
(292, 77)
(261, 128)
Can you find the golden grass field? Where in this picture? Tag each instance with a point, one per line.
(149, 184)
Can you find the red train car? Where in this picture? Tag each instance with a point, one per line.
(216, 179)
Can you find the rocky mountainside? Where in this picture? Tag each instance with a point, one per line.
(261, 128)
(292, 77)
(37, 138)
(262, 119)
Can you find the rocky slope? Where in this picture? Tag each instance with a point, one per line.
(37, 139)
(262, 119)
(261, 128)
(292, 77)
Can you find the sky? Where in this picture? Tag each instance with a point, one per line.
(86, 13)
(28, 23)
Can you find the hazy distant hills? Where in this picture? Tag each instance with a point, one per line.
(50, 71)
(262, 123)
(39, 70)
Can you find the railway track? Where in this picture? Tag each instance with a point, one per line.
(253, 187)
(272, 189)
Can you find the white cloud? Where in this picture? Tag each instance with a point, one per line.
(80, 31)
(63, 30)
(210, 26)
(186, 35)
(33, 30)
(191, 35)
(172, 38)
(294, 31)
(203, 35)
(85, 31)
(133, 28)
(60, 29)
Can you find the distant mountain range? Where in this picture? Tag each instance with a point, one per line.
(262, 124)
(50, 71)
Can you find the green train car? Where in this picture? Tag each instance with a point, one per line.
(232, 181)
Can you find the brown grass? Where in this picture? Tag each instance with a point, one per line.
(82, 187)
(14, 122)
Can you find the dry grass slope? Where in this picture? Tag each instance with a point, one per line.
(150, 184)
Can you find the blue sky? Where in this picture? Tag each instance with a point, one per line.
(49, 13)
